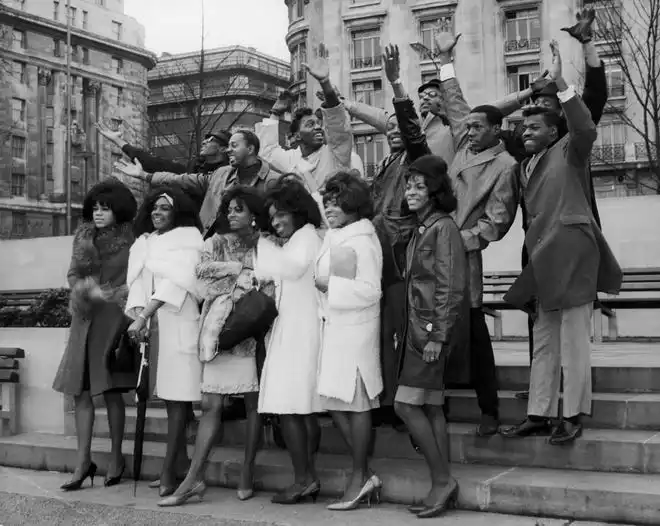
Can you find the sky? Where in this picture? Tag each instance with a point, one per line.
(173, 26)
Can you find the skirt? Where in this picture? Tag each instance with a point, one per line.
(360, 403)
(230, 374)
(419, 396)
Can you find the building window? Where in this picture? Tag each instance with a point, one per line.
(49, 135)
(50, 153)
(296, 9)
(521, 77)
(57, 48)
(163, 141)
(18, 39)
(18, 110)
(115, 124)
(370, 93)
(85, 20)
(18, 69)
(523, 30)
(18, 224)
(100, 2)
(85, 55)
(610, 146)
(50, 116)
(298, 58)
(56, 11)
(18, 185)
(371, 149)
(116, 30)
(18, 147)
(72, 14)
(430, 27)
(120, 96)
(430, 75)
(609, 23)
(366, 49)
(615, 81)
(117, 65)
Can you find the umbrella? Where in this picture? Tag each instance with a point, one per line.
(141, 397)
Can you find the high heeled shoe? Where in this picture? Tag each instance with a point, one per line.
(166, 491)
(75, 485)
(368, 492)
(113, 481)
(197, 490)
(297, 493)
(441, 507)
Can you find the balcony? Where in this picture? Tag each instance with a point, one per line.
(641, 154)
(366, 62)
(616, 90)
(608, 154)
(522, 44)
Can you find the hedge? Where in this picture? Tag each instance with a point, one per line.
(49, 309)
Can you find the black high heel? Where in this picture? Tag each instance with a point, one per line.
(113, 481)
(296, 493)
(75, 485)
(449, 502)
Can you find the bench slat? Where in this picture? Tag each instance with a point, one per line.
(8, 363)
(12, 352)
(8, 377)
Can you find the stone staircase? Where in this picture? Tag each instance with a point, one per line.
(610, 474)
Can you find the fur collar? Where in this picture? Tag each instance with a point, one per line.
(92, 245)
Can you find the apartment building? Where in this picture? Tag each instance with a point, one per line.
(503, 48)
(109, 67)
(238, 87)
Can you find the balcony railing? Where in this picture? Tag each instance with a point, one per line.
(610, 153)
(641, 154)
(522, 44)
(618, 90)
(366, 62)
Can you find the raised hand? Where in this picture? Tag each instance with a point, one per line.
(583, 29)
(540, 82)
(282, 104)
(319, 67)
(106, 132)
(392, 63)
(445, 42)
(133, 169)
(555, 70)
(321, 96)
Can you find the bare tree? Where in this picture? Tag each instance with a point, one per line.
(630, 32)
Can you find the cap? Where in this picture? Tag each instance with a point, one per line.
(433, 83)
(223, 137)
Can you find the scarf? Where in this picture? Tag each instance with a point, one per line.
(91, 245)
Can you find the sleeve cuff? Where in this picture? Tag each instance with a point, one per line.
(447, 72)
(566, 95)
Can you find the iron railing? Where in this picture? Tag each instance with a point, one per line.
(366, 62)
(522, 44)
(609, 153)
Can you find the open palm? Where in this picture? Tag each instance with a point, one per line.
(318, 67)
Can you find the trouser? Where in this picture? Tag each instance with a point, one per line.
(562, 340)
(482, 364)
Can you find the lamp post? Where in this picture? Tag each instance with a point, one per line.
(67, 161)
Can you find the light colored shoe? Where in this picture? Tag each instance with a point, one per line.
(155, 484)
(368, 491)
(197, 490)
(245, 494)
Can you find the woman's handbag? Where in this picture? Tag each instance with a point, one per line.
(123, 356)
(251, 317)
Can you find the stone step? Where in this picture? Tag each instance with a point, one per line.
(587, 495)
(610, 450)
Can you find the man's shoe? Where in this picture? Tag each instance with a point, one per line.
(527, 428)
(565, 434)
(488, 427)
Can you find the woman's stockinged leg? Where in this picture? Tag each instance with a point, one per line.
(209, 426)
(313, 441)
(421, 429)
(294, 431)
(176, 434)
(84, 415)
(436, 415)
(343, 423)
(361, 439)
(253, 440)
(114, 402)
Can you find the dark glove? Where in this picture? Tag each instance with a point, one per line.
(541, 82)
(582, 31)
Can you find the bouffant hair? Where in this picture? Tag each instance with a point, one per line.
(289, 194)
(184, 209)
(115, 195)
(351, 193)
(250, 197)
(434, 170)
(298, 116)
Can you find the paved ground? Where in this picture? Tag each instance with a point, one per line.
(609, 354)
(32, 498)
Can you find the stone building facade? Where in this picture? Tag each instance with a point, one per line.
(504, 46)
(237, 89)
(109, 67)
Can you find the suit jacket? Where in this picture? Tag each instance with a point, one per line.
(486, 188)
(570, 261)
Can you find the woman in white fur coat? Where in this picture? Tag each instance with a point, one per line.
(163, 301)
(348, 275)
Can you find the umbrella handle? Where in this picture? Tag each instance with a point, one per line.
(144, 362)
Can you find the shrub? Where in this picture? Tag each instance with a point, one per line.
(49, 309)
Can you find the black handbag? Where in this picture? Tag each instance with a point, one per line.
(251, 317)
(124, 355)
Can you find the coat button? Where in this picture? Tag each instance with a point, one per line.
(421, 229)
(429, 327)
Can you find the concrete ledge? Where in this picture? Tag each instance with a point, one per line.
(542, 492)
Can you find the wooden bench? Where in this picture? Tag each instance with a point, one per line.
(640, 289)
(19, 298)
(9, 378)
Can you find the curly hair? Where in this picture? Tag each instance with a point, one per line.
(184, 210)
(290, 195)
(550, 117)
(252, 198)
(115, 195)
(434, 171)
(297, 118)
(351, 193)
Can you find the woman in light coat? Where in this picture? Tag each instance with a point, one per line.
(348, 275)
(163, 302)
(288, 381)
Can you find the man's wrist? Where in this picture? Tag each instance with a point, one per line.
(396, 82)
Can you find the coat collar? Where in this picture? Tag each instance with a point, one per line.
(338, 236)
(468, 161)
(430, 218)
(262, 174)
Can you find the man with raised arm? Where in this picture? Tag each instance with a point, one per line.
(485, 183)
(324, 145)
(569, 261)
